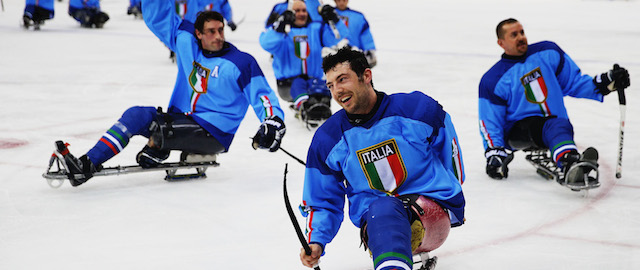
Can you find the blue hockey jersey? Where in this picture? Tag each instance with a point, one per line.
(531, 85)
(359, 33)
(215, 88)
(409, 146)
(299, 51)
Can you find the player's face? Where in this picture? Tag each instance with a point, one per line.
(212, 36)
(342, 4)
(352, 93)
(300, 10)
(514, 42)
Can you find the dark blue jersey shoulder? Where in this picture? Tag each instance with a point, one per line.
(416, 106)
(545, 46)
(247, 65)
(188, 26)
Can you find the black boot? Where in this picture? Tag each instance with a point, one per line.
(576, 168)
(317, 108)
(151, 157)
(78, 170)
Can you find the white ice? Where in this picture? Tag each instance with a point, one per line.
(69, 83)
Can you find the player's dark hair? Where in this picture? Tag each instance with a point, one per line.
(357, 60)
(205, 16)
(500, 30)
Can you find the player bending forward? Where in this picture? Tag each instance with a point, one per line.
(216, 84)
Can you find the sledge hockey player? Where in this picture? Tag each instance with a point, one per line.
(359, 29)
(521, 106)
(397, 160)
(215, 86)
(222, 7)
(135, 8)
(297, 58)
(36, 12)
(88, 13)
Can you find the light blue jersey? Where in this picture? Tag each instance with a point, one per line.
(409, 146)
(216, 88)
(530, 85)
(299, 51)
(360, 35)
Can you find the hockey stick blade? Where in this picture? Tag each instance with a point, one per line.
(294, 220)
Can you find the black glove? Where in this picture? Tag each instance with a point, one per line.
(151, 157)
(269, 134)
(328, 14)
(233, 26)
(371, 57)
(612, 80)
(287, 18)
(497, 161)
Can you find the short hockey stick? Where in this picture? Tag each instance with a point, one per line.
(623, 111)
(294, 157)
(294, 220)
(287, 28)
(332, 25)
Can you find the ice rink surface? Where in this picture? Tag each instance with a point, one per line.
(69, 83)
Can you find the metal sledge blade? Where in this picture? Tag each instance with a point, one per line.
(56, 177)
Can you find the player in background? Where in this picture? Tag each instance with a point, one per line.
(521, 103)
(396, 159)
(88, 13)
(216, 84)
(36, 12)
(361, 37)
(297, 57)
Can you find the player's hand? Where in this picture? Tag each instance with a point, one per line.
(371, 57)
(287, 18)
(612, 80)
(269, 134)
(328, 14)
(233, 26)
(497, 161)
(313, 259)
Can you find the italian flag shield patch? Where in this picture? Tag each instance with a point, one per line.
(198, 78)
(383, 166)
(534, 87)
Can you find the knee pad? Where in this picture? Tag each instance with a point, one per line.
(526, 134)
(284, 89)
(430, 224)
(137, 120)
(174, 131)
(387, 220)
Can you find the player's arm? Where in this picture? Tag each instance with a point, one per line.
(162, 20)
(448, 146)
(323, 196)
